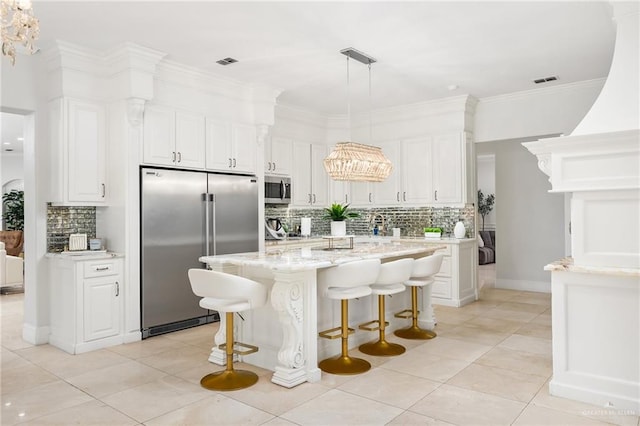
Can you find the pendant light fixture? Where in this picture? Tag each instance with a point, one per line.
(352, 161)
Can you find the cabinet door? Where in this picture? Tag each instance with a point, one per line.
(319, 177)
(159, 136)
(219, 155)
(301, 176)
(86, 152)
(417, 177)
(190, 135)
(362, 194)
(389, 192)
(279, 161)
(447, 169)
(101, 308)
(244, 148)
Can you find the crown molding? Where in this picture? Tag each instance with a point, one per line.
(578, 85)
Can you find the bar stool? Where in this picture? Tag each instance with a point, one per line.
(422, 276)
(228, 294)
(343, 282)
(389, 281)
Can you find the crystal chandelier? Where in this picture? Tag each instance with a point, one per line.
(18, 26)
(351, 161)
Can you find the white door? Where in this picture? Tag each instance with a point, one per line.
(389, 192)
(301, 176)
(447, 169)
(245, 148)
(417, 173)
(219, 155)
(280, 159)
(101, 309)
(319, 178)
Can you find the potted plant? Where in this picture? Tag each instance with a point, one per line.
(432, 232)
(338, 214)
(13, 210)
(485, 205)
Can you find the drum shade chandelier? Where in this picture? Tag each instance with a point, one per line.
(17, 26)
(352, 161)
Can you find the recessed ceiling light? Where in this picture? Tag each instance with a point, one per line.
(6, 143)
(20, 139)
(452, 86)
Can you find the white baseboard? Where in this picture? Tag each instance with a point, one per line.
(608, 400)
(524, 285)
(35, 335)
(134, 336)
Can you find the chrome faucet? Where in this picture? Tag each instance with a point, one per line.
(372, 222)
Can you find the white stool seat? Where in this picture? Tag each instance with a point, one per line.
(340, 293)
(418, 282)
(228, 294)
(225, 305)
(386, 289)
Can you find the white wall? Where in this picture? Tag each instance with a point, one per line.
(553, 110)
(529, 219)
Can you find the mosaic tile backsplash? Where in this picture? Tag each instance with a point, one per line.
(63, 221)
(411, 221)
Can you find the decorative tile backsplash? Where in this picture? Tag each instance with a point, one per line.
(63, 221)
(410, 220)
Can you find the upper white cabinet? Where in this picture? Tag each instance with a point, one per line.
(230, 147)
(309, 179)
(173, 138)
(417, 163)
(278, 156)
(78, 152)
(453, 169)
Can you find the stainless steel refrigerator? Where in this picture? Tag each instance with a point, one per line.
(185, 215)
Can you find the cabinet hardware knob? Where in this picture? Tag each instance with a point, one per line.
(309, 198)
(314, 198)
(346, 198)
(117, 289)
(173, 157)
(398, 196)
(179, 157)
(230, 162)
(436, 195)
(234, 163)
(274, 167)
(104, 190)
(369, 197)
(269, 168)
(404, 196)
(102, 268)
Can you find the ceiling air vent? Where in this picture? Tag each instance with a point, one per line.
(545, 80)
(226, 61)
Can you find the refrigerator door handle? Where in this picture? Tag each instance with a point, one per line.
(205, 205)
(212, 224)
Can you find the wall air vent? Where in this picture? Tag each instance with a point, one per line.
(226, 61)
(546, 79)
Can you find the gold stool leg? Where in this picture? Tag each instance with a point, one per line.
(229, 379)
(381, 347)
(344, 364)
(414, 332)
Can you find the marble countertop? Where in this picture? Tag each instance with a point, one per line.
(283, 258)
(315, 240)
(83, 255)
(566, 265)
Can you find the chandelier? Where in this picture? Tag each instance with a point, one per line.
(351, 161)
(17, 26)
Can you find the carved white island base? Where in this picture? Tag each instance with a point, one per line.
(286, 330)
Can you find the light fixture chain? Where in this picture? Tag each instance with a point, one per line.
(370, 109)
(348, 100)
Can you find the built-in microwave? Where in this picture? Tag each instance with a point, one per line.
(277, 190)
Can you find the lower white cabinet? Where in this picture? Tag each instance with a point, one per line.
(455, 284)
(86, 302)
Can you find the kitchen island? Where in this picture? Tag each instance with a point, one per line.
(286, 330)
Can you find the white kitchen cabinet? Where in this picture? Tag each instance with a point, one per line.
(78, 152)
(230, 147)
(455, 283)
(416, 176)
(453, 164)
(86, 302)
(278, 157)
(388, 192)
(362, 194)
(309, 179)
(173, 138)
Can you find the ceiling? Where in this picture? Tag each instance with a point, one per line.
(423, 48)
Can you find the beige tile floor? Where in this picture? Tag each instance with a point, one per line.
(489, 365)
